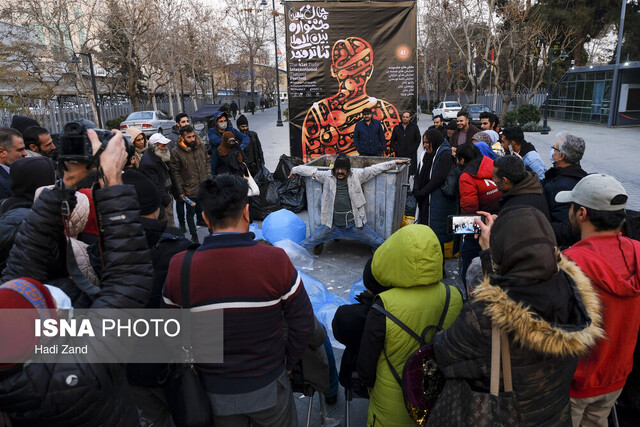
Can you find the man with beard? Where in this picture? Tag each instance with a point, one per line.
(465, 130)
(189, 168)
(155, 165)
(438, 123)
(38, 142)
(612, 262)
(405, 140)
(342, 212)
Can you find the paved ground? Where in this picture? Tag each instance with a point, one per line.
(612, 151)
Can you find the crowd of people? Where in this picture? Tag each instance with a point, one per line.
(554, 268)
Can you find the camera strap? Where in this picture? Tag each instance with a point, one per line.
(75, 273)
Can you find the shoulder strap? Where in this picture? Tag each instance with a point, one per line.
(409, 331)
(500, 344)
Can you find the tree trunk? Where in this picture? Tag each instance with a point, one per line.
(173, 114)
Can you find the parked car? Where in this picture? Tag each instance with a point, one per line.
(149, 122)
(474, 111)
(448, 110)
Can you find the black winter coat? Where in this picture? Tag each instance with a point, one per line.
(37, 394)
(556, 180)
(254, 155)
(544, 355)
(9, 225)
(348, 327)
(159, 173)
(229, 164)
(405, 142)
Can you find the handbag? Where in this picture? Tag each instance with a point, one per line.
(186, 396)
(254, 190)
(461, 405)
(421, 381)
(450, 186)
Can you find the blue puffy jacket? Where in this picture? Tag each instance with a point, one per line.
(215, 138)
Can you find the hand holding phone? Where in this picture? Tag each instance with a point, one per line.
(464, 224)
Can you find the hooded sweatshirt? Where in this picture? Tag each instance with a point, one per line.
(612, 262)
(527, 192)
(410, 263)
(478, 192)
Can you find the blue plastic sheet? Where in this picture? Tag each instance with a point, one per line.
(356, 289)
(284, 224)
(253, 227)
(324, 303)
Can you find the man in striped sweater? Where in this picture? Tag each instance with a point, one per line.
(257, 286)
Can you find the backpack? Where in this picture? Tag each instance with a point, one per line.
(421, 381)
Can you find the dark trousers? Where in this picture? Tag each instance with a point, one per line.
(180, 206)
(193, 211)
(470, 250)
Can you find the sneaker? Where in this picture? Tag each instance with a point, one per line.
(317, 249)
(183, 227)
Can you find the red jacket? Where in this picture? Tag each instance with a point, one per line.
(612, 262)
(478, 192)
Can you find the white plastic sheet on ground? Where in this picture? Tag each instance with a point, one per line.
(299, 256)
(324, 304)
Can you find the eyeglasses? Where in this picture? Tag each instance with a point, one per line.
(555, 148)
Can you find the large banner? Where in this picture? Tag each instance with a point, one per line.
(343, 57)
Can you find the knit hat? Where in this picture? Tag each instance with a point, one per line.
(523, 244)
(482, 137)
(20, 123)
(27, 175)
(342, 162)
(370, 281)
(18, 334)
(148, 195)
(452, 125)
(242, 120)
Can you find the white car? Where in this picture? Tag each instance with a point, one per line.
(149, 122)
(448, 110)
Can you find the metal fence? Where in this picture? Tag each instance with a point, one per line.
(494, 101)
(53, 115)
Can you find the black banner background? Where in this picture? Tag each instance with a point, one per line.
(331, 47)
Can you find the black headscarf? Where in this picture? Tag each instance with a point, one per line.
(436, 139)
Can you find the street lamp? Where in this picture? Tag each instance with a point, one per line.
(563, 54)
(275, 42)
(76, 60)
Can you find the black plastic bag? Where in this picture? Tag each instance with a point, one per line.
(268, 201)
(284, 167)
(292, 194)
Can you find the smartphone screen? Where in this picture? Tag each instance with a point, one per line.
(464, 224)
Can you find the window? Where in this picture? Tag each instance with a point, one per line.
(141, 115)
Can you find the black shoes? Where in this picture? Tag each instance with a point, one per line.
(317, 249)
(194, 239)
(183, 227)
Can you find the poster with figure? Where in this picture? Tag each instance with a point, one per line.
(343, 57)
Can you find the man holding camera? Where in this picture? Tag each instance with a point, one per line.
(73, 393)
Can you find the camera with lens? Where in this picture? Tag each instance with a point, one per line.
(75, 145)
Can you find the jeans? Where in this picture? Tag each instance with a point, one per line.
(323, 234)
(470, 250)
(191, 212)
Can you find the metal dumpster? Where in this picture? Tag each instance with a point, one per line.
(385, 195)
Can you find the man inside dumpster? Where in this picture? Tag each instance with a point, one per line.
(342, 211)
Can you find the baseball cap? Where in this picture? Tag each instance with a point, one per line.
(158, 138)
(597, 191)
